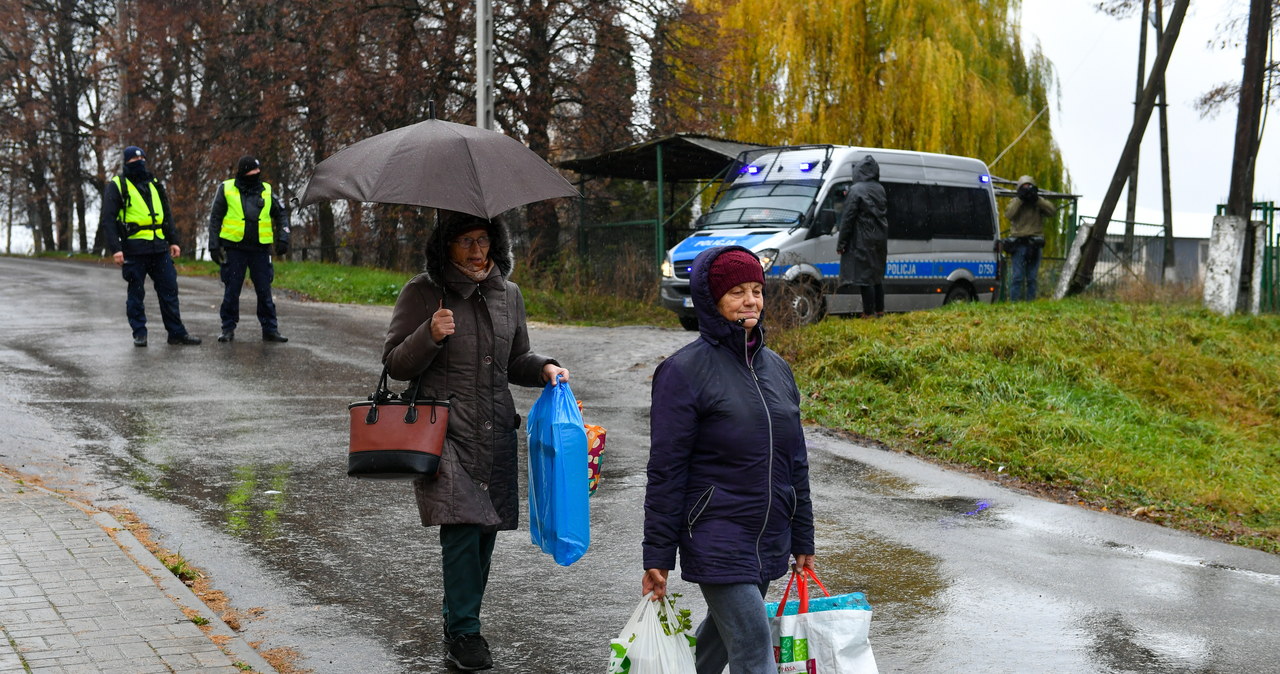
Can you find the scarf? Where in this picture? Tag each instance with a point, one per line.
(477, 276)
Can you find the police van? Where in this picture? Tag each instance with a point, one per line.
(784, 204)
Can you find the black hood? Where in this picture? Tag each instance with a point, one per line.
(450, 225)
(865, 170)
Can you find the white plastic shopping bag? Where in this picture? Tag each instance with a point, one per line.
(645, 646)
(821, 635)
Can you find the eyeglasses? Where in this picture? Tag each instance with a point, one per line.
(467, 242)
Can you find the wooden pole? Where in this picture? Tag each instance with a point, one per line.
(1248, 122)
(1168, 269)
(1131, 201)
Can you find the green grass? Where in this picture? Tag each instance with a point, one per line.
(338, 283)
(1173, 410)
(358, 285)
(592, 308)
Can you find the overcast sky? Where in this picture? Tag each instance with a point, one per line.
(1096, 59)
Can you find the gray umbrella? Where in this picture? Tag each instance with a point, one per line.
(441, 165)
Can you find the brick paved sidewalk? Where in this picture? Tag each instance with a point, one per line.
(72, 600)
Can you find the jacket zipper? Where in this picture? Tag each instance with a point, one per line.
(768, 420)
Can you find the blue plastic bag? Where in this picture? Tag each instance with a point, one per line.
(559, 521)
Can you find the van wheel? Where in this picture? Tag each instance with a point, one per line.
(689, 323)
(959, 293)
(807, 305)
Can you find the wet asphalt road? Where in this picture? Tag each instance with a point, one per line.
(234, 453)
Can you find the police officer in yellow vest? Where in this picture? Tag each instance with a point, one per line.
(245, 221)
(138, 230)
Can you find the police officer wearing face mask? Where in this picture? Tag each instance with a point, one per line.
(246, 219)
(138, 230)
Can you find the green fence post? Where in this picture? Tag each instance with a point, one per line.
(658, 238)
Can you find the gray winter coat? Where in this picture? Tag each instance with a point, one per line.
(864, 227)
(477, 481)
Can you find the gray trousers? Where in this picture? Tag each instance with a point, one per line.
(736, 631)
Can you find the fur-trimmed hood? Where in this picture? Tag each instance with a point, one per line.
(449, 225)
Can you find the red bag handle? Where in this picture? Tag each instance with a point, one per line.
(786, 592)
(802, 588)
(814, 577)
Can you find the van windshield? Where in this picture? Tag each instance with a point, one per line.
(761, 205)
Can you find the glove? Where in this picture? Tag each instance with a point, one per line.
(218, 255)
(282, 248)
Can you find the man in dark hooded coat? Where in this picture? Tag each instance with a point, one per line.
(864, 236)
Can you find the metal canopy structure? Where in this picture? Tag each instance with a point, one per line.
(680, 157)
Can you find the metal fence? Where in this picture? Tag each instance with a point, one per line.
(1265, 212)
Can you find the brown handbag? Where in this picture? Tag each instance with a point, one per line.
(396, 436)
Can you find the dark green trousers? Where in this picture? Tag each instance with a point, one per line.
(466, 551)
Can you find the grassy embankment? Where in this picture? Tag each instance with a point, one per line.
(1170, 414)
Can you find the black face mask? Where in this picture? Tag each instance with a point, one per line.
(250, 182)
(137, 170)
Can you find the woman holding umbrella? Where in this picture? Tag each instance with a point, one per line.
(460, 325)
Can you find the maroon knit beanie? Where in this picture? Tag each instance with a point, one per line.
(731, 268)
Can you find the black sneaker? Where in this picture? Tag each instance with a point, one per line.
(274, 337)
(470, 652)
(184, 340)
(139, 340)
(227, 336)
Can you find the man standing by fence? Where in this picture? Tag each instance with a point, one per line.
(1026, 214)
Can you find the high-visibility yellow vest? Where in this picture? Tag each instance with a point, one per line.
(233, 221)
(141, 221)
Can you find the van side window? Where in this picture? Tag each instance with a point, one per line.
(827, 219)
(924, 212)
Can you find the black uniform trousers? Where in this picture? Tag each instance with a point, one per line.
(159, 266)
(258, 264)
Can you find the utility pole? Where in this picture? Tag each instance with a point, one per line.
(1131, 204)
(1092, 247)
(8, 241)
(122, 41)
(1248, 122)
(1168, 271)
(484, 64)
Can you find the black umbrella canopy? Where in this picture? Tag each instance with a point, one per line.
(442, 165)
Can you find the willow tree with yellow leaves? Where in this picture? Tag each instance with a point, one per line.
(931, 75)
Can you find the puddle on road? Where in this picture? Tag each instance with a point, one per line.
(1119, 646)
(903, 584)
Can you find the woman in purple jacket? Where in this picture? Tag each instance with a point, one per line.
(728, 470)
